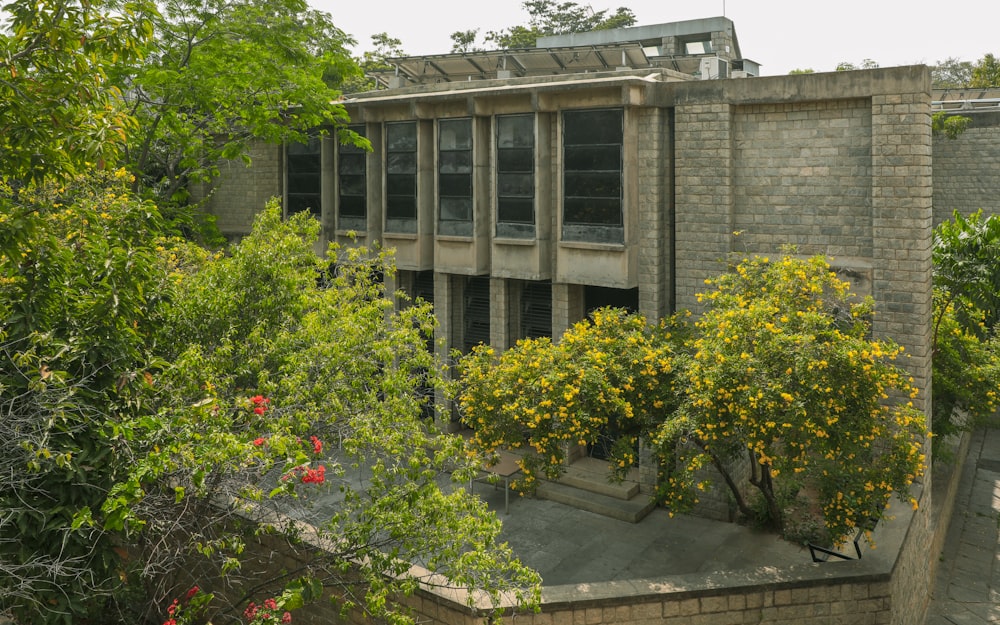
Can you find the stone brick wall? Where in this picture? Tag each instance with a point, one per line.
(967, 168)
(240, 192)
(802, 175)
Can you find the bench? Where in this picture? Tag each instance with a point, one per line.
(504, 468)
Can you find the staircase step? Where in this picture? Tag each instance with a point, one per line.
(631, 511)
(591, 475)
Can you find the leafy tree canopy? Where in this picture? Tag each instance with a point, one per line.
(986, 72)
(218, 75)
(59, 113)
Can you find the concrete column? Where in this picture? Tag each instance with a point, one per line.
(567, 307)
(504, 312)
(448, 309)
(655, 214)
(328, 194)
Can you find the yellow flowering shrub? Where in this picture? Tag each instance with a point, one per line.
(783, 374)
(612, 375)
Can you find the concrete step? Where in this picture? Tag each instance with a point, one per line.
(592, 475)
(632, 511)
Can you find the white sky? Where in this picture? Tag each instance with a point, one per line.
(781, 35)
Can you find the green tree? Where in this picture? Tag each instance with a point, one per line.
(59, 114)
(967, 270)
(785, 377)
(79, 290)
(986, 72)
(951, 73)
(220, 75)
(270, 346)
(464, 40)
(966, 313)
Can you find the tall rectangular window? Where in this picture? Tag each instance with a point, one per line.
(592, 176)
(303, 170)
(515, 176)
(351, 176)
(455, 176)
(401, 176)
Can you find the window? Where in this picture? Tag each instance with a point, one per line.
(401, 176)
(592, 176)
(515, 176)
(303, 169)
(455, 176)
(351, 174)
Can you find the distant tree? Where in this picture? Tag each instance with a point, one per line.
(951, 73)
(375, 61)
(986, 72)
(548, 17)
(845, 66)
(807, 70)
(464, 40)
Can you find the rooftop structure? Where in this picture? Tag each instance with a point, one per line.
(705, 48)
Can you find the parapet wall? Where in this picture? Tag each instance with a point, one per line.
(886, 587)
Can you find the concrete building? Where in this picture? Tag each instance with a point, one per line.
(521, 189)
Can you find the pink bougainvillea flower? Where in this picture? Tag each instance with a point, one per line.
(286, 618)
(317, 445)
(257, 442)
(194, 589)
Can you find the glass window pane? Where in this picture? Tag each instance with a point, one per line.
(519, 160)
(455, 134)
(593, 184)
(401, 207)
(455, 185)
(594, 211)
(590, 158)
(303, 183)
(515, 131)
(401, 136)
(515, 210)
(592, 127)
(405, 163)
(401, 184)
(352, 164)
(520, 185)
(455, 162)
(456, 209)
(352, 206)
(352, 185)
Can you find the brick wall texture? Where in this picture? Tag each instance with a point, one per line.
(967, 168)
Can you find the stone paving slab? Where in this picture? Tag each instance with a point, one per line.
(967, 588)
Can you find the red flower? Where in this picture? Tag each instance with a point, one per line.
(270, 604)
(194, 589)
(173, 608)
(286, 618)
(251, 611)
(259, 403)
(314, 476)
(257, 442)
(170, 621)
(317, 445)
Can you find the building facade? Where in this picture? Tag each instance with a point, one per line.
(521, 190)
